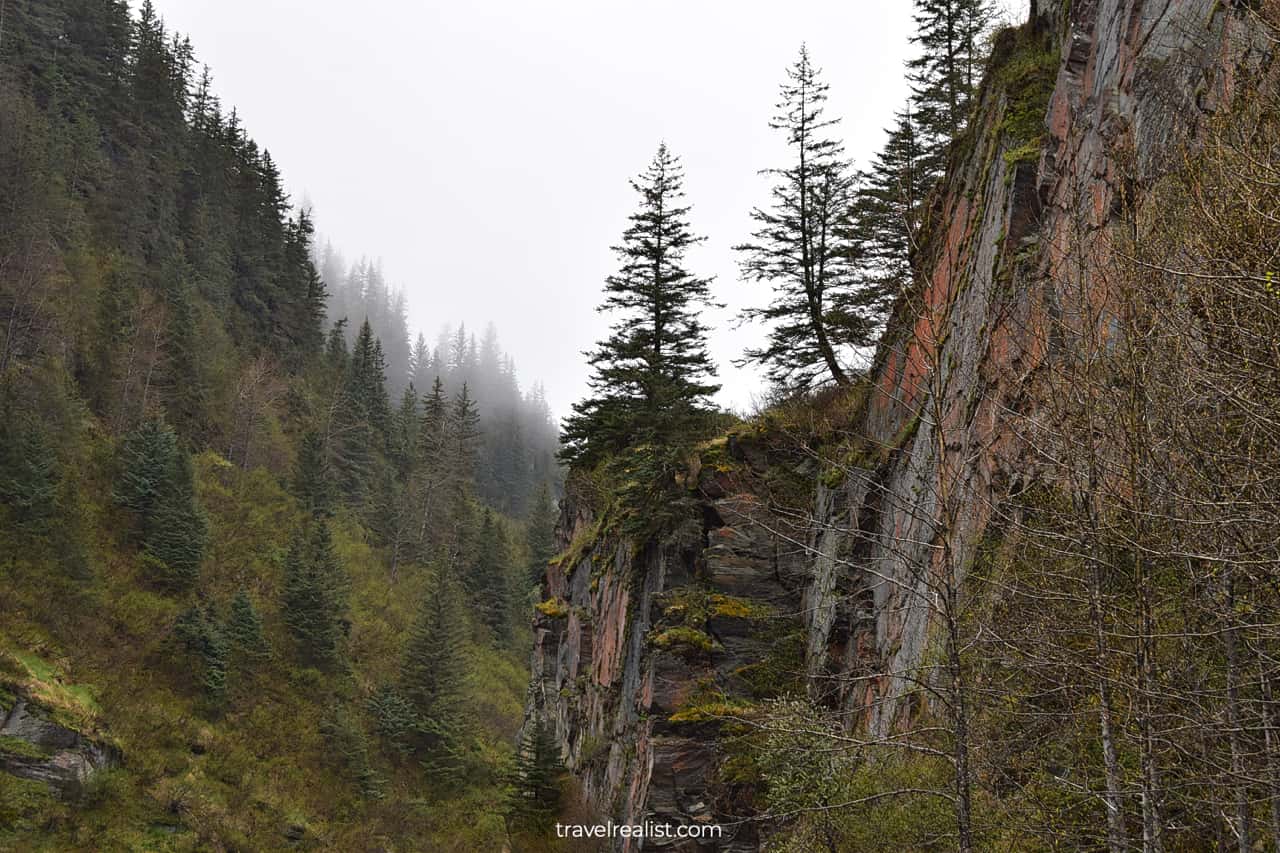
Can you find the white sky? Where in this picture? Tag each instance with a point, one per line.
(482, 149)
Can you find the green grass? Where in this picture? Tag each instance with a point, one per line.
(19, 748)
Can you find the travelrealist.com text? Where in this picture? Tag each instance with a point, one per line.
(638, 830)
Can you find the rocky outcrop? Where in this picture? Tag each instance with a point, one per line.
(638, 654)
(1108, 89)
(34, 746)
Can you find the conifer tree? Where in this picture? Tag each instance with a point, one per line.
(395, 718)
(434, 669)
(314, 602)
(803, 245)
(540, 533)
(489, 580)
(402, 444)
(202, 637)
(28, 473)
(336, 353)
(650, 380)
(313, 480)
(430, 467)
(420, 365)
(177, 532)
(346, 741)
(945, 76)
(146, 461)
(156, 483)
(244, 627)
(887, 212)
(185, 377)
(464, 432)
(367, 382)
(363, 419)
(536, 781)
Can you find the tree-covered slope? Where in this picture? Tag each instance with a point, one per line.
(248, 583)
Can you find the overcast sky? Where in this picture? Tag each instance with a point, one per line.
(482, 149)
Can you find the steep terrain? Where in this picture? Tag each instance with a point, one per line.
(816, 565)
(254, 593)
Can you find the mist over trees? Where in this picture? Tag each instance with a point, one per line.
(519, 437)
(238, 504)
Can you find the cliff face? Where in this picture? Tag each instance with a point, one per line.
(1079, 109)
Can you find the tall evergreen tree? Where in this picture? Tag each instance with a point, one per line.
(313, 479)
(243, 630)
(536, 781)
(314, 601)
(650, 380)
(803, 245)
(540, 534)
(887, 212)
(434, 669)
(336, 353)
(156, 483)
(362, 420)
(202, 636)
(177, 533)
(945, 75)
(464, 433)
(147, 456)
(28, 473)
(488, 582)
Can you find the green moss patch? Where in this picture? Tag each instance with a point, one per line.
(682, 638)
(556, 608)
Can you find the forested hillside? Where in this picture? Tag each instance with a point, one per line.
(992, 567)
(264, 563)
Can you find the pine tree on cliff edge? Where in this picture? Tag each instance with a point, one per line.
(945, 75)
(803, 245)
(651, 375)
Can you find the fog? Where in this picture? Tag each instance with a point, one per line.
(482, 150)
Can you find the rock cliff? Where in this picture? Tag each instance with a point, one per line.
(33, 745)
(812, 565)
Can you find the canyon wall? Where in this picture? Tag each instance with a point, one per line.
(640, 649)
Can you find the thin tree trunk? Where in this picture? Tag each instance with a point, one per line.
(1244, 826)
(1117, 837)
(1273, 750)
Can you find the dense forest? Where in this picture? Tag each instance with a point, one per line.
(267, 554)
(993, 567)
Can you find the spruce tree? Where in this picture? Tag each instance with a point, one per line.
(803, 246)
(402, 443)
(420, 365)
(156, 482)
(336, 353)
(489, 580)
(540, 534)
(464, 436)
(887, 212)
(29, 473)
(536, 781)
(202, 637)
(363, 420)
(945, 76)
(313, 480)
(314, 602)
(434, 669)
(147, 456)
(395, 718)
(244, 627)
(650, 380)
(177, 533)
(345, 741)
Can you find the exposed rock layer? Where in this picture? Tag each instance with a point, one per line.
(38, 748)
(1134, 80)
